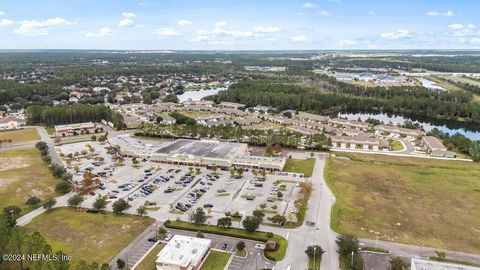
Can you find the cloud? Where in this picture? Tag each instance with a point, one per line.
(102, 32)
(323, 13)
(371, 12)
(129, 14)
(436, 13)
(126, 22)
(39, 28)
(456, 26)
(347, 42)
(231, 33)
(220, 24)
(475, 40)
(399, 34)
(471, 26)
(2, 13)
(6, 22)
(184, 22)
(300, 38)
(266, 29)
(308, 5)
(166, 32)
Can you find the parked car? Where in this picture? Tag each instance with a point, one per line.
(224, 246)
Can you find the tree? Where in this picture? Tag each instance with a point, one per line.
(142, 210)
(251, 223)
(63, 187)
(279, 194)
(347, 246)
(241, 246)
(32, 201)
(225, 222)
(120, 206)
(105, 266)
(49, 204)
(279, 219)
(75, 200)
(314, 250)
(199, 217)
(200, 235)
(397, 263)
(259, 214)
(120, 264)
(100, 203)
(475, 150)
(11, 213)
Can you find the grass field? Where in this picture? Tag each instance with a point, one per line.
(409, 200)
(24, 174)
(20, 135)
(216, 260)
(91, 237)
(443, 83)
(304, 166)
(148, 263)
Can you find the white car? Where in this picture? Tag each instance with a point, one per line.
(250, 187)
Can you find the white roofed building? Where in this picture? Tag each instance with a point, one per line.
(183, 252)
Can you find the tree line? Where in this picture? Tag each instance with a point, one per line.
(283, 138)
(68, 114)
(413, 101)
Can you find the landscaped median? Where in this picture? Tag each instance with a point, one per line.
(276, 255)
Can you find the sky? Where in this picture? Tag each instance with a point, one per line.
(239, 25)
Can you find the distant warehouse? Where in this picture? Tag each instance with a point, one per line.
(205, 153)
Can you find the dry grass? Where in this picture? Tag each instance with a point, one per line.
(24, 174)
(20, 135)
(91, 237)
(408, 200)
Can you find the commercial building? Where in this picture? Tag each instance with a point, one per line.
(11, 122)
(79, 128)
(183, 252)
(420, 264)
(204, 153)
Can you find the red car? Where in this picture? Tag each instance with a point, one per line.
(92, 193)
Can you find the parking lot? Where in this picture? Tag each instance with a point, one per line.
(175, 189)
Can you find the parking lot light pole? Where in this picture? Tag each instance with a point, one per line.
(351, 264)
(314, 250)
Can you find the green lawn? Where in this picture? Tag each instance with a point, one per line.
(408, 200)
(277, 255)
(304, 166)
(91, 237)
(24, 174)
(395, 145)
(216, 260)
(50, 130)
(148, 263)
(314, 265)
(20, 135)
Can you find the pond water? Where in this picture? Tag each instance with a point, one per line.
(469, 130)
(196, 95)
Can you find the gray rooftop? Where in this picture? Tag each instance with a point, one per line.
(212, 149)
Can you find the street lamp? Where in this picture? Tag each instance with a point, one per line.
(351, 264)
(314, 251)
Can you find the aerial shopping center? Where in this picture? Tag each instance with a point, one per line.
(204, 153)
